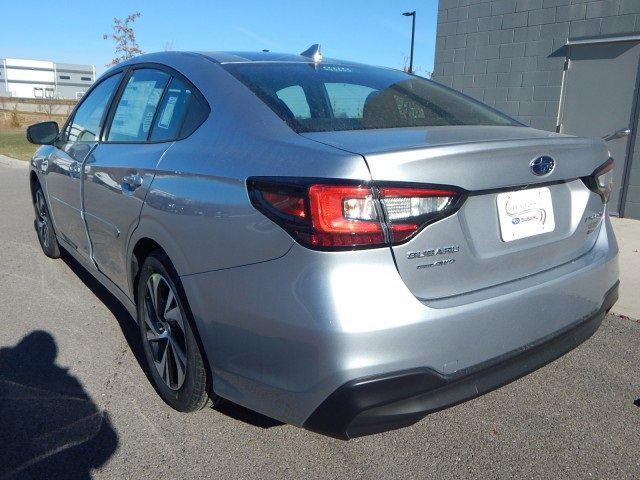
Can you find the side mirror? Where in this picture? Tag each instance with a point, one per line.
(44, 133)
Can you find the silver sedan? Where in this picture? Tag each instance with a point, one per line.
(341, 247)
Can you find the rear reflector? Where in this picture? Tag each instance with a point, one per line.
(334, 216)
(288, 204)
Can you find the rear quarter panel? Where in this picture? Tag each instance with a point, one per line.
(198, 207)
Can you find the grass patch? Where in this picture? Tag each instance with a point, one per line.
(13, 143)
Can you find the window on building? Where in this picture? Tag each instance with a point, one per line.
(65, 77)
(86, 79)
(137, 106)
(48, 92)
(38, 92)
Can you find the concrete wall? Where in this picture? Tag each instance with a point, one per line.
(508, 53)
(32, 105)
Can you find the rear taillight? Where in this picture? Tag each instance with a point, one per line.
(344, 216)
(601, 181)
(337, 216)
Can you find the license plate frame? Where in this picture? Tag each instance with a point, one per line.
(525, 213)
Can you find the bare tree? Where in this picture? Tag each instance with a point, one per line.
(48, 105)
(14, 118)
(125, 38)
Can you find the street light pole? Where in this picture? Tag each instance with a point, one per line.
(413, 35)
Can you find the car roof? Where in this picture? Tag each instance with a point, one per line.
(265, 56)
(173, 57)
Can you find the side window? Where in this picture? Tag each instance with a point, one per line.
(85, 125)
(171, 111)
(347, 99)
(137, 106)
(295, 99)
(197, 112)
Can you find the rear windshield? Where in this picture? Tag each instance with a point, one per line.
(327, 97)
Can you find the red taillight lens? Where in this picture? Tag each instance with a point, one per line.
(344, 216)
(332, 217)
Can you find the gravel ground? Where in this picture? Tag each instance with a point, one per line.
(75, 402)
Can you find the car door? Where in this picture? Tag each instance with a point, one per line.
(64, 164)
(143, 124)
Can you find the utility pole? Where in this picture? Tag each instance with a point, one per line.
(413, 35)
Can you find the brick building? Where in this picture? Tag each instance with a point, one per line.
(569, 66)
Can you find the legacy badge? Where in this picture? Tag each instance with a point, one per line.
(433, 251)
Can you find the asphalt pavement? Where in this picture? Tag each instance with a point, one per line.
(76, 403)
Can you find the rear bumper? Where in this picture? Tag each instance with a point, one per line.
(283, 336)
(386, 402)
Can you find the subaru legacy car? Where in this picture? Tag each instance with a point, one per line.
(341, 247)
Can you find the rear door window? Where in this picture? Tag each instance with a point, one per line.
(137, 106)
(171, 111)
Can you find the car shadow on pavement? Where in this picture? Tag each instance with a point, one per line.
(120, 313)
(130, 331)
(243, 414)
(49, 426)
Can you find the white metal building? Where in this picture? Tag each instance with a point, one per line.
(23, 78)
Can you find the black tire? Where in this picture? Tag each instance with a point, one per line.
(44, 225)
(192, 393)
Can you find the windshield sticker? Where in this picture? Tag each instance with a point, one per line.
(167, 113)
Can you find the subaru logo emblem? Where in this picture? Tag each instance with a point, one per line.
(542, 165)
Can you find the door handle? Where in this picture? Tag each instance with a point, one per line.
(131, 182)
(623, 132)
(74, 170)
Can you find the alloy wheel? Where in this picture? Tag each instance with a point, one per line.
(164, 331)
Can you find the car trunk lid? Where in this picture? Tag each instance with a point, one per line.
(470, 250)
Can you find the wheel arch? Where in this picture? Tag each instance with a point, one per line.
(148, 236)
(143, 245)
(34, 182)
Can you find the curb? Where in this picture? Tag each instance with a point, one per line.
(12, 162)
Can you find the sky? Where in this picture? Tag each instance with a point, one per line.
(372, 31)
